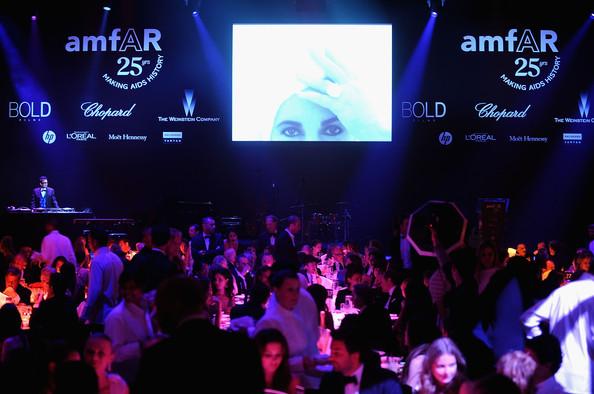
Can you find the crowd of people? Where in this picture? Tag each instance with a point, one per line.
(176, 312)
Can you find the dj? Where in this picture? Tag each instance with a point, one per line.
(44, 196)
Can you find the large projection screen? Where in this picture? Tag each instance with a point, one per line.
(312, 82)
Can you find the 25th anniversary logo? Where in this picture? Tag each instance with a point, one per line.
(137, 60)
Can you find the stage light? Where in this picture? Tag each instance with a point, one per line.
(34, 18)
(195, 13)
(107, 8)
(592, 15)
(434, 14)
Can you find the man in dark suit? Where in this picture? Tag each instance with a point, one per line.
(196, 354)
(391, 297)
(44, 196)
(152, 266)
(355, 371)
(268, 238)
(285, 249)
(12, 279)
(206, 244)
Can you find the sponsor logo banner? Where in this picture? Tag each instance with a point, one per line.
(583, 109)
(49, 137)
(173, 137)
(136, 58)
(80, 136)
(126, 137)
(572, 138)
(533, 56)
(29, 111)
(188, 105)
(445, 138)
(96, 110)
(492, 111)
(480, 137)
(425, 111)
(528, 139)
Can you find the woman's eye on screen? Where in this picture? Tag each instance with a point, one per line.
(291, 132)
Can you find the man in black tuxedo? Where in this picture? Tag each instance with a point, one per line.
(268, 238)
(206, 244)
(196, 353)
(44, 196)
(355, 371)
(285, 249)
(391, 297)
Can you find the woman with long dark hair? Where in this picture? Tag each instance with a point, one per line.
(274, 353)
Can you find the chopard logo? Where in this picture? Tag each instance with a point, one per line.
(95, 110)
(490, 110)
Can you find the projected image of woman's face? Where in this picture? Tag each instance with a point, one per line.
(298, 119)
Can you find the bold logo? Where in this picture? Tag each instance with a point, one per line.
(537, 64)
(49, 137)
(126, 137)
(527, 138)
(189, 102)
(95, 110)
(173, 137)
(80, 136)
(480, 137)
(445, 138)
(572, 138)
(425, 110)
(584, 105)
(584, 110)
(29, 111)
(131, 72)
(490, 110)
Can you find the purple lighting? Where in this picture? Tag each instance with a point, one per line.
(34, 18)
(434, 14)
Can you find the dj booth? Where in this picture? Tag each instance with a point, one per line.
(27, 226)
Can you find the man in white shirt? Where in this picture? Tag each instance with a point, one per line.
(569, 310)
(292, 311)
(129, 327)
(55, 244)
(106, 268)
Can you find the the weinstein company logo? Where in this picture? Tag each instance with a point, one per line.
(189, 102)
(584, 110)
(490, 110)
(95, 110)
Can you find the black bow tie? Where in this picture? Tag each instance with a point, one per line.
(350, 379)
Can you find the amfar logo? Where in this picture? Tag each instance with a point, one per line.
(445, 138)
(572, 138)
(489, 110)
(29, 111)
(133, 72)
(49, 137)
(584, 110)
(95, 110)
(480, 137)
(150, 38)
(173, 137)
(425, 110)
(530, 73)
(80, 136)
(189, 102)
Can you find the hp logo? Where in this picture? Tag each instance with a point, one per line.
(445, 138)
(49, 137)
